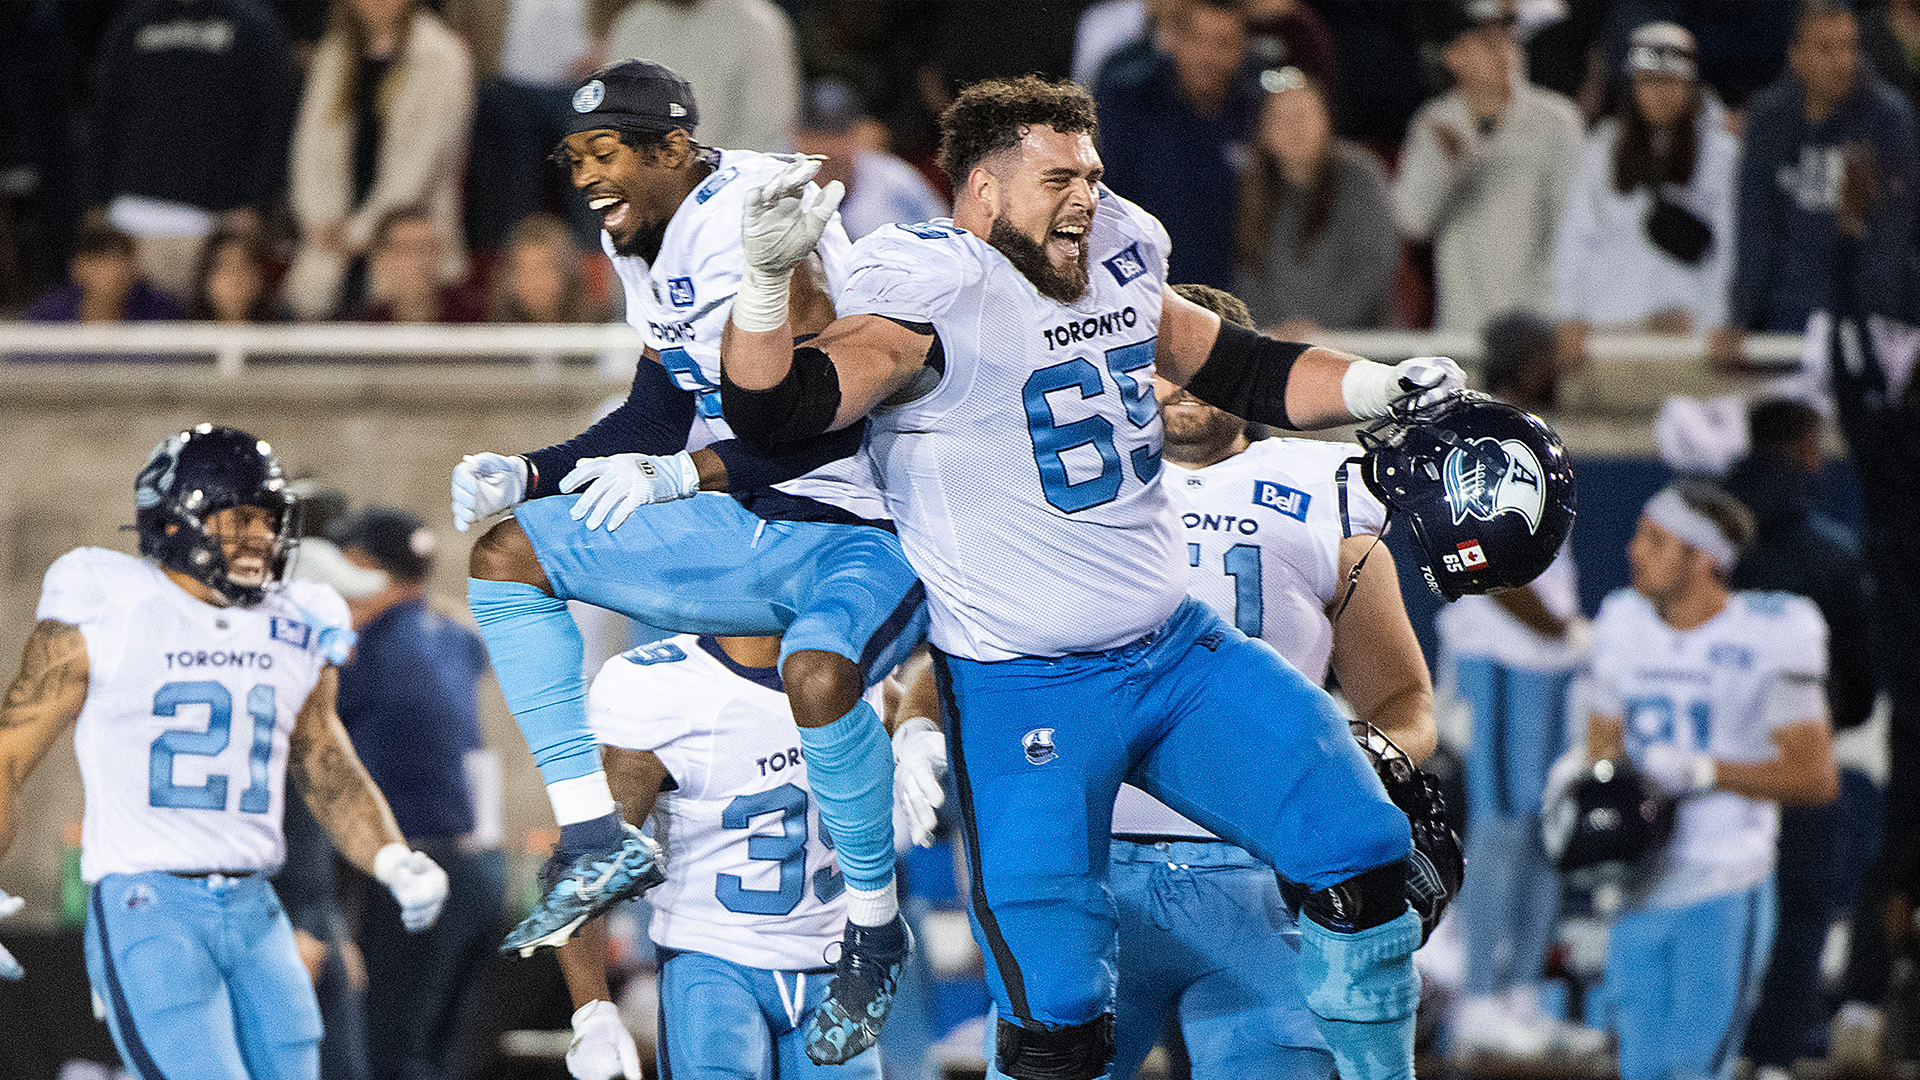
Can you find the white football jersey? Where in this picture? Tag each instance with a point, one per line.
(1025, 486)
(1263, 541)
(1722, 687)
(183, 739)
(682, 300)
(750, 872)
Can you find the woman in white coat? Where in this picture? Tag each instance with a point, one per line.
(1646, 240)
(383, 125)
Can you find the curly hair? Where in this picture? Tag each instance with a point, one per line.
(987, 117)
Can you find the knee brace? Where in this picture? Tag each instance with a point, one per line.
(1361, 902)
(1080, 1052)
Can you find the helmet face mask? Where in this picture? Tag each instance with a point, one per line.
(191, 478)
(1489, 490)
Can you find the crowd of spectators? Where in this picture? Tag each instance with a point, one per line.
(1531, 171)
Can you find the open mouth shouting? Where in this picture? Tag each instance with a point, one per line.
(613, 210)
(1067, 243)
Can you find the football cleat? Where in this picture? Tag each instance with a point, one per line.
(861, 994)
(584, 888)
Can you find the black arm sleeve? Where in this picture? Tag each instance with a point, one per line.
(798, 407)
(1246, 374)
(655, 419)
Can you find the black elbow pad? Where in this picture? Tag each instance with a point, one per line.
(799, 406)
(1246, 374)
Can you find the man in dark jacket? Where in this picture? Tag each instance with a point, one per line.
(1170, 123)
(1829, 126)
(1801, 550)
(409, 701)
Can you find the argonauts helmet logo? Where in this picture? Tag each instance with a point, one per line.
(588, 98)
(1039, 744)
(1488, 477)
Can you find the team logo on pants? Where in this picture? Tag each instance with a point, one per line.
(1039, 744)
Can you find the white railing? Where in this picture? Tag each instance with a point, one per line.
(234, 347)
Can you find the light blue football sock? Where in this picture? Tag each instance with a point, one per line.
(537, 655)
(850, 769)
(1363, 990)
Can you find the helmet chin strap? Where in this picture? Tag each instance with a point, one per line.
(1346, 532)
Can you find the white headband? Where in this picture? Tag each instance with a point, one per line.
(1669, 511)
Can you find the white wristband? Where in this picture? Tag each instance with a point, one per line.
(1367, 388)
(388, 859)
(1705, 773)
(761, 304)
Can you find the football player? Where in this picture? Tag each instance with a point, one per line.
(151, 658)
(697, 733)
(1008, 356)
(801, 550)
(1204, 931)
(1717, 699)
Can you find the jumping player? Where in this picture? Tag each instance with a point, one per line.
(1718, 699)
(186, 944)
(801, 550)
(1019, 445)
(697, 733)
(1204, 931)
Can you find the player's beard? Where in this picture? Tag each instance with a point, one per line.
(1197, 440)
(1030, 259)
(645, 241)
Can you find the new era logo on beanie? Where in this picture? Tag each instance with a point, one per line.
(634, 95)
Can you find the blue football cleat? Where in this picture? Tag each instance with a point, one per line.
(861, 993)
(589, 885)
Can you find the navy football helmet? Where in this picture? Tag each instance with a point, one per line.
(1604, 822)
(196, 474)
(1488, 487)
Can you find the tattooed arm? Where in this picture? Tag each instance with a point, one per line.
(328, 774)
(43, 701)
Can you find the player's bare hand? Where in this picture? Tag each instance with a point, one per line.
(784, 219)
(9, 967)
(919, 766)
(602, 1047)
(486, 484)
(418, 884)
(617, 485)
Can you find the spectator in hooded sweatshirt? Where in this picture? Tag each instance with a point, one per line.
(1828, 129)
(1800, 550)
(1485, 174)
(191, 114)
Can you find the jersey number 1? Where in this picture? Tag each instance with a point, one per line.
(212, 794)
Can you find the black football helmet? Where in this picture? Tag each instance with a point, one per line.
(195, 474)
(1605, 822)
(1489, 489)
(1437, 867)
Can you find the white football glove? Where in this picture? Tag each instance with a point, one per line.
(602, 1047)
(1370, 390)
(1676, 770)
(417, 883)
(486, 484)
(919, 764)
(9, 967)
(617, 485)
(781, 223)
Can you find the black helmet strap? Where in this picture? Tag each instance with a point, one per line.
(1346, 531)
